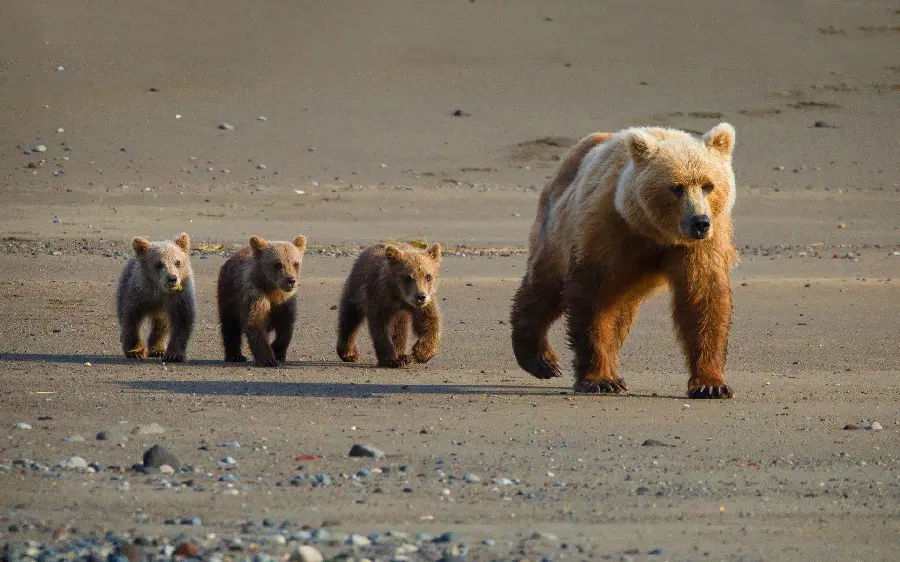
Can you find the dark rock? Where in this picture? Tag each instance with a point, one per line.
(365, 451)
(157, 455)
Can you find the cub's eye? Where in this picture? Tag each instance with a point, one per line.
(277, 266)
(410, 278)
(677, 189)
(707, 187)
(177, 263)
(160, 265)
(428, 277)
(296, 265)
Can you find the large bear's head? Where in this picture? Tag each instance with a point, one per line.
(679, 186)
(166, 265)
(414, 274)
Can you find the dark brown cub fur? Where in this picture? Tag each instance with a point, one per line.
(392, 288)
(257, 297)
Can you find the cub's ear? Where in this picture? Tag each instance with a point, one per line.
(258, 244)
(434, 252)
(720, 138)
(140, 245)
(300, 242)
(183, 242)
(642, 145)
(393, 253)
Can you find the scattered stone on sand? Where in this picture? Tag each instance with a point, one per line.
(157, 455)
(874, 426)
(461, 113)
(306, 553)
(187, 549)
(261, 118)
(111, 435)
(471, 478)
(261, 166)
(40, 148)
(365, 451)
(73, 438)
(73, 463)
(21, 425)
(230, 445)
(148, 429)
(653, 443)
(226, 126)
(227, 462)
(851, 427)
(359, 540)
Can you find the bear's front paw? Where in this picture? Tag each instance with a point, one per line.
(156, 352)
(400, 361)
(544, 367)
(600, 387)
(350, 355)
(239, 358)
(422, 354)
(268, 363)
(137, 352)
(173, 357)
(710, 391)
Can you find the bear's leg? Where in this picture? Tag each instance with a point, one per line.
(380, 320)
(536, 305)
(230, 325)
(701, 307)
(592, 311)
(349, 319)
(130, 334)
(400, 331)
(427, 326)
(283, 318)
(181, 318)
(257, 332)
(159, 335)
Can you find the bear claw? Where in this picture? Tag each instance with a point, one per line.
(156, 353)
(543, 369)
(601, 387)
(711, 391)
(350, 356)
(139, 352)
(268, 363)
(400, 361)
(172, 357)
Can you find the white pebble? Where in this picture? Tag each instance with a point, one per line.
(60, 130)
(226, 126)
(40, 148)
(876, 426)
(261, 118)
(60, 68)
(57, 220)
(299, 192)
(146, 189)
(260, 166)
(306, 553)
(177, 116)
(21, 425)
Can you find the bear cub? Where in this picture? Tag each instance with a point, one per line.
(257, 296)
(157, 283)
(392, 288)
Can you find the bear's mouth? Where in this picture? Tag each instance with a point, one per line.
(175, 288)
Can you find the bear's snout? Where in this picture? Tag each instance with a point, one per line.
(171, 279)
(421, 298)
(290, 281)
(699, 226)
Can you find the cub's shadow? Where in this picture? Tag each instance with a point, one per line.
(74, 359)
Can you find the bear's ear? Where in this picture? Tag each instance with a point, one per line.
(434, 252)
(258, 244)
(300, 242)
(642, 145)
(183, 242)
(720, 138)
(140, 245)
(393, 253)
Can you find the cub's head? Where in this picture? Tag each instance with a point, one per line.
(681, 186)
(165, 264)
(278, 263)
(414, 274)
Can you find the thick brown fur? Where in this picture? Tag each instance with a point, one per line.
(157, 283)
(392, 287)
(625, 215)
(257, 296)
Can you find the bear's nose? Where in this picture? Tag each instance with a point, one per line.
(700, 225)
(421, 297)
(290, 280)
(172, 279)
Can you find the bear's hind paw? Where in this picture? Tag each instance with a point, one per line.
(710, 391)
(600, 387)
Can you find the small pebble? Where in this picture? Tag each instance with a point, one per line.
(21, 425)
(260, 166)
(149, 429)
(40, 148)
(111, 435)
(261, 118)
(60, 130)
(471, 478)
(226, 126)
(230, 445)
(57, 220)
(306, 553)
(365, 451)
(73, 462)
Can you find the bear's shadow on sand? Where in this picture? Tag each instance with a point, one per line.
(311, 389)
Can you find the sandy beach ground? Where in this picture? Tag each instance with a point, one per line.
(341, 127)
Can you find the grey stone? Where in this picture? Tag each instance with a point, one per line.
(157, 455)
(365, 451)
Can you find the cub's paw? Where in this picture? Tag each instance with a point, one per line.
(710, 391)
(137, 352)
(400, 361)
(600, 387)
(268, 363)
(350, 355)
(173, 357)
(421, 354)
(236, 359)
(156, 352)
(544, 366)
(281, 357)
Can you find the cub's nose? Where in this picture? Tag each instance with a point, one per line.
(171, 279)
(290, 280)
(421, 297)
(700, 226)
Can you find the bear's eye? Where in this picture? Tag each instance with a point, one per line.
(677, 189)
(296, 265)
(160, 265)
(177, 263)
(277, 266)
(410, 278)
(428, 277)
(707, 187)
